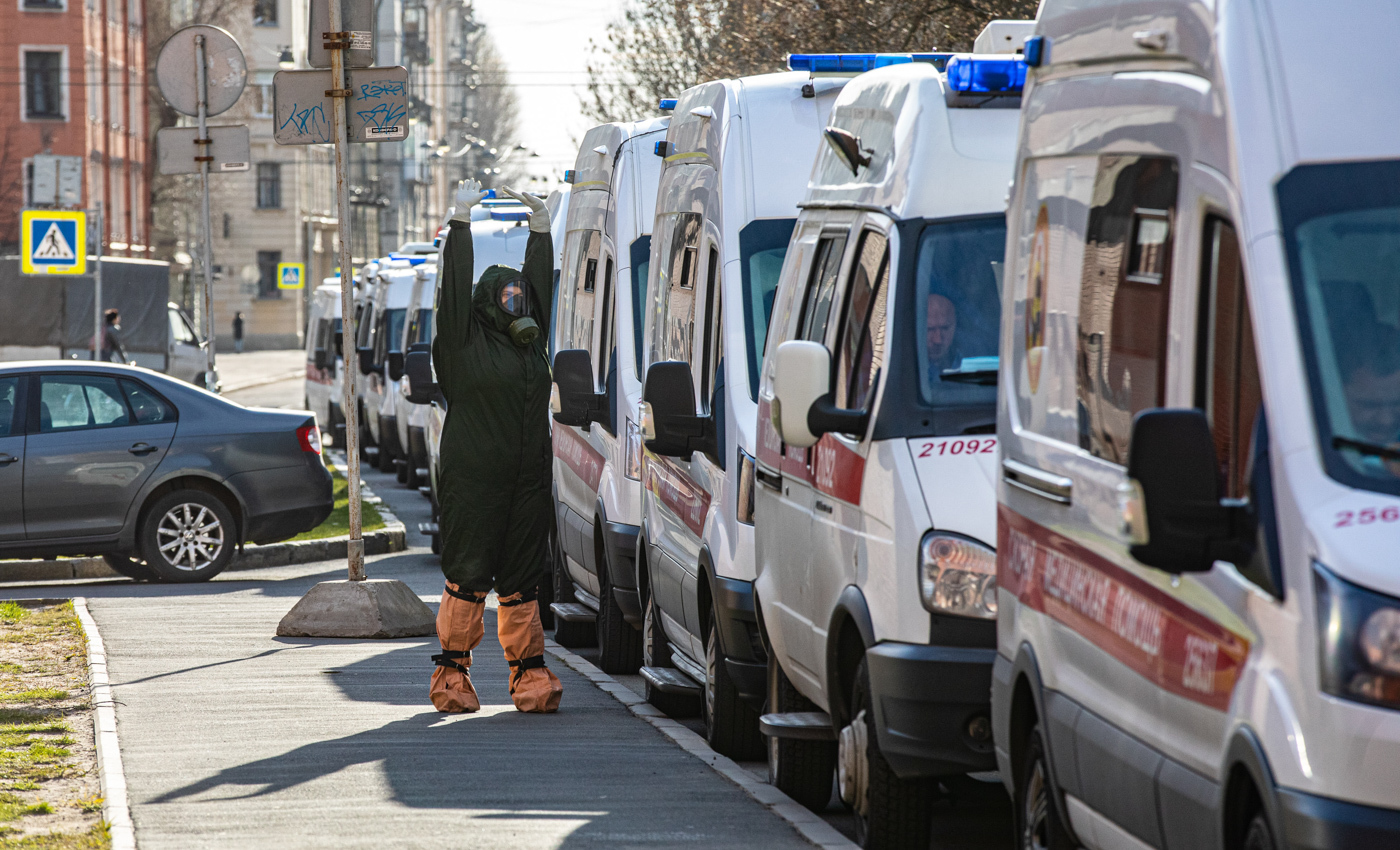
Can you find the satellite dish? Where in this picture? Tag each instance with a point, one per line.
(177, 71)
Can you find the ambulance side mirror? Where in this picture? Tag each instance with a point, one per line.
(366, 355)
(1174, 490)
(319, 359)
(670, 425)
(394, 365)
(573, 401)
(803, 407)
(418, 366)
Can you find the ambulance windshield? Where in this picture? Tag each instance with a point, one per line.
(958, 309)
(1342, 226)
(762, 246)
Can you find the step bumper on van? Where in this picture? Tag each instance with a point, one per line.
(932, 707)
(1311, 822)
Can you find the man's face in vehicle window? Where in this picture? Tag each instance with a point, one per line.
(1374, 401)
(942, 325)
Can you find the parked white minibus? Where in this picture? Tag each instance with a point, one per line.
(1199, 424)
(325, 367)
(597, 344)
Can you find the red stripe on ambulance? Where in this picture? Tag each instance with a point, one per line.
(677, 492)
(1153, 633)
(578, 455)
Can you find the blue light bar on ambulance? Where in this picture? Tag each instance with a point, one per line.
(413, 259)
(510, 215)
(667, 104)
(986, 75)
(854, 63)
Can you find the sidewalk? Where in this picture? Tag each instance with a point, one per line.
(254, 368)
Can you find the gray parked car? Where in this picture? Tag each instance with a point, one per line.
(163, 479)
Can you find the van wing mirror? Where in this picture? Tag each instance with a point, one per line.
(366, 355)
(573, 401)
(670, 426)
(1174, 487)
(338, 342)
(320, 359)
(803, 407)
(394, 364)
(418, 366)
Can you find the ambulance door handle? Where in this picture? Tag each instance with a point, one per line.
(768, 479)
(1044, 484)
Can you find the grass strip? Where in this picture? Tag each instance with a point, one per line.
(338, 523)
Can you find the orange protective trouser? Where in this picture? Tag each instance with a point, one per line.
(532, 686)
(460, 629)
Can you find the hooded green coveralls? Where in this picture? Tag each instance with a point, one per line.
(494, 487)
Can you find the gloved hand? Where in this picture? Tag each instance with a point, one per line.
(539, 216)
(469, 194)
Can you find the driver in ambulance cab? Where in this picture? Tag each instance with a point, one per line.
(942, 329)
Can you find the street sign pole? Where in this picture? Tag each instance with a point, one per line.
(206, 252)
(337, 42)
(97, 324)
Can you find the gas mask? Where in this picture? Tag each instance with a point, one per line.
(515, 302)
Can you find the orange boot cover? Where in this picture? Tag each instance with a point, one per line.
(532, 686)
(459, 629)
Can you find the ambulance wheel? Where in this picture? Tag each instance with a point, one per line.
(131, 567)
(411, 479)
(656, 652)
(800, 769)
(566, 634)
(1038, 824)
(366, 439)
(386, 457)
(731, 724)
(1258, 836)
(890, 812)
(619, 644)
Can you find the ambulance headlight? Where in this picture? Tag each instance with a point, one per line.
(1358, 640)
(957, 576)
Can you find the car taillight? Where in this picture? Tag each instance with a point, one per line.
(310, 438)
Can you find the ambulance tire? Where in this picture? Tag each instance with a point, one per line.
(386, 457)
(898, 812)
(619, 644)
(566, 634)
(803, 770)
(656, 652)
(1038, 825)
(731, 724)
(1258, 836)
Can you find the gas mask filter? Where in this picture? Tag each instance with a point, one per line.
(515, 302)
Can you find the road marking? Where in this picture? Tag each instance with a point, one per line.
(798, 816)
(115, 808)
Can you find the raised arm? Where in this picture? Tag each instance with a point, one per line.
(453, 320)
(539, 257)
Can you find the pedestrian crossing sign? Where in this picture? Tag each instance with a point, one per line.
(290, 275)
(53, 242)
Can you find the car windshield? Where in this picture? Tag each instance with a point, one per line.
(762, 246)
(393, 328)
(1341, 224)
(957, 278)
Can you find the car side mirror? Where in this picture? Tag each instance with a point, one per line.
(418, 366)
(670, 426)
(338, 342)
(1172, 510)
(803, 407)
(366, 360)
(573, 400)
(394, 362)
(320, 358)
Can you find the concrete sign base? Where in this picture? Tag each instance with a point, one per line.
(377, 608)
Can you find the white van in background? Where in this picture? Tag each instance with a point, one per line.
(411, 419)
(325, 367)
(381, 334)
(876, 504)
(366, 284)
(597, 370)
(1199, 624)
(736, 159)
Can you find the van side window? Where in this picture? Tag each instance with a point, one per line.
(712, 338)
(862, 347)
(585, 278)
(821, 288)
(1227, 372)
(1123, 299)
(681, 270)
(605, 340)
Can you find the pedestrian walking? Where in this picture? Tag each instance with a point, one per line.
(238, 332)
(495, 508)
(112, 349)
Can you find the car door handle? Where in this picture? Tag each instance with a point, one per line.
(142, 449)
(1047, 485)
(6, 460)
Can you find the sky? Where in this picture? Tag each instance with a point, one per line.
(545, 47)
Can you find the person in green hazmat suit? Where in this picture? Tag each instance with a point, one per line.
(496, 458)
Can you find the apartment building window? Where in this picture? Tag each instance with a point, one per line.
(43, 5)
(269, 185)
(265, 13)
(267, 274)
(43, 84)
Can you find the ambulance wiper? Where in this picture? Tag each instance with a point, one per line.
(1366, 448)
(980, 377)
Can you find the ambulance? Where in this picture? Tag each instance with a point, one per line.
(381, 332)
(410, 419)
(325, 368)
(597, 376)
(876, 464)
(1199, 430)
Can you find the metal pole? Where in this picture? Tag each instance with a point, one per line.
(355, 550)
(202, 83)
(97, 323)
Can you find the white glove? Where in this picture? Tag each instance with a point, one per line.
(469, 194)
(539, 216)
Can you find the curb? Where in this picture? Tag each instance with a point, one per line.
(798, 816)
(393, 537)
(116, 810)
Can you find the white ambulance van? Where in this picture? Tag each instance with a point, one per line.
(325, 368)
(366, 283)
(597, 344)
(736, 158)
(1199, 425)
(876, 504)
(412, 419)
(382, 333)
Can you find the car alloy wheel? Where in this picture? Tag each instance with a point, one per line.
(190, 537)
